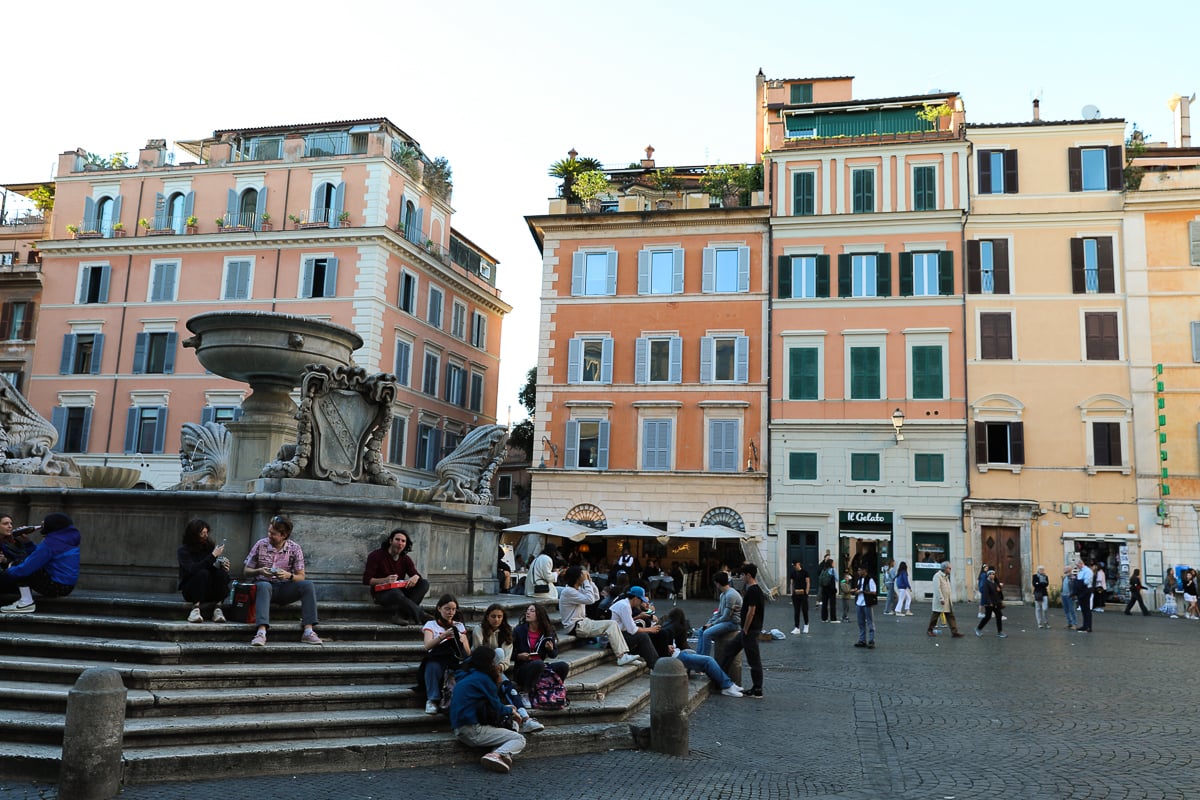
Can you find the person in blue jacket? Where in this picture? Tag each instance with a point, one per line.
(51, 570)
(476, 711)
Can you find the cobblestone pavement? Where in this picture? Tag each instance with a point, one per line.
(1042, 714)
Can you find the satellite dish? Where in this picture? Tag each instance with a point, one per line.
(1090, 112)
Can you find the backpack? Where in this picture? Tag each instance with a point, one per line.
(825, 580)
(549, 692)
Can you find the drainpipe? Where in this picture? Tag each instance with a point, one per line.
(768, 267)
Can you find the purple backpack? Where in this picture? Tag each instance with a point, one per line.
(549, 692)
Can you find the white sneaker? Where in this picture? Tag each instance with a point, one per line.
(17, 608)
(795, 631)
(195, 615)
(908, 613)
(218, 615)
(733, 691)
(805, 629)
(627, 659)
(531, 725)
(980, 615)
(431, 707)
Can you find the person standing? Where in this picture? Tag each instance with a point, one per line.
(277, 565)
(390, 564)
(1084, 594)
(1068, 598)
(1135, 594)
(903, 591)
(800, 582)
(889, 581)
(1191, 595)
(827, 583)
(51, 569)
(979, 587)
(1101, 587)
(753, 608)
(542, 579)
(993, 604)
(943, 602)
(1041, 596)
(866, 596)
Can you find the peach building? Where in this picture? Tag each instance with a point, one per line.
(652, 371)
(868, 390)
(20, 285)
(1048, 350)
(345, 221)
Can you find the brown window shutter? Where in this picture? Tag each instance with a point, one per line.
(1114, 444)
(1104, 259)
(981, 443)
(1116, 168)
(27, 323)
(974, 269)
(1078, 279)
(1000, 266)
(987, 336)
(1016, 442)
(1075, 169)
(6, 312)
(985, 171)
(1010, 171)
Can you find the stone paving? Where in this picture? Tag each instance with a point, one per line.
(1042, 714)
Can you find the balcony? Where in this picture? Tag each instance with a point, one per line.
(320, 218)
(860, 139)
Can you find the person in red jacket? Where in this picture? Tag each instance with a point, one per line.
(395, 583)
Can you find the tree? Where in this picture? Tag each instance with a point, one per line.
(568, 169)
(522, 433)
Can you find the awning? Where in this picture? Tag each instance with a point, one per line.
(1101, 537)
(712, 532)
(875, 536)
(552, 527)
(632, 530)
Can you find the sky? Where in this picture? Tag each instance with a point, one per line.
(504, 89)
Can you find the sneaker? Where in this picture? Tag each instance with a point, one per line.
(627, 659)
(957, 635)
(908, 613)
(733, 690)
(431, 707)
(795, 631)
(931, 633)
(860, 644)
(756, 693)
(531, 725)
(525, 700)
(805, 629)
(259, 640)
(836, 621)
(495, 762)
(218, 615)
(1001, 635)
(195, 615)
(980, 615)
(978, 633)
(887, 613)
(310, 637)
(870, 645)
(17, 608)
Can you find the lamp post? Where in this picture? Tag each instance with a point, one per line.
(898, 424)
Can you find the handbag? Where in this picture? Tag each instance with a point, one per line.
(241, 606)
(541, 588)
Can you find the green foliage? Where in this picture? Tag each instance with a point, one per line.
(113, 161)
(932, 113)
(528, 393)
(665, 180)
(590, 185)
(568, 170)
(406, 156)
(727, 181)
(1135, 145)
(521, 434)
(438, 178)
(43, 197)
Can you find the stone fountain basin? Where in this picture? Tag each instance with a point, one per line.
(104, 477)
(266, 347)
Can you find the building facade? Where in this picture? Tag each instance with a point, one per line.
(348, 222)
(20, 287)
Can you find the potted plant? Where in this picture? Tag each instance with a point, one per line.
(344, 217)
(73, 230)
(588, 187)
(220, 224)
(935, 115)
(190, 222)
(118, 230)
(295, 220)
(145, 223)
(568, 170)
(266, 221)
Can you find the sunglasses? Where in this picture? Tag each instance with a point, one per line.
(277, 520)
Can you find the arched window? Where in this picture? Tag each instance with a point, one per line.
(322, 203)
(175, 212)
(411, 222)
(104, 216)
(247, 208)
(724, 516)
(587, 514)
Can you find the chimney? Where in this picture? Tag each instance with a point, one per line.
(1183, 119)
(154, 154)
(1037, 109)
(648, 161)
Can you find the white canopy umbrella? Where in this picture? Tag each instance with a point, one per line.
(712, 532)
(632, 530)
(553, 527)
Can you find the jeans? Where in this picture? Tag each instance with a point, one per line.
(435, 673)
(706, 636)
(891, 599)
(903, 600)
(866, 624)
(1069, 610)
(1039, 609)
(694, 662)
(799, 606)
(280, 594)
(828, 607)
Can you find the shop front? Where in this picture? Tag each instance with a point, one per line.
(864, 539)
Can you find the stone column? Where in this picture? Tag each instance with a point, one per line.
(668, 708)
(93, 736)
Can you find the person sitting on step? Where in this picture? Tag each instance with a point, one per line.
(573, 600)
(203, 572)
(51, 570)
(476, 713)
(495, 632)
(395, 583)
(277, 565)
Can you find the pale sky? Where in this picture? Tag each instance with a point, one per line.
(504, 89)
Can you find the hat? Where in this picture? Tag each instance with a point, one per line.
(55, 522)
(637, 592)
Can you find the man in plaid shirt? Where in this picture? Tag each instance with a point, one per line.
(277, 565)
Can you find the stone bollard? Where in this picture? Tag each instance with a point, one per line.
(668, 708)
(92, 739)
(720, 652)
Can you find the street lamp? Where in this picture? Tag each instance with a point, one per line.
(898, 424)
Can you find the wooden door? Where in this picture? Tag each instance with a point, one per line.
(1002, 552)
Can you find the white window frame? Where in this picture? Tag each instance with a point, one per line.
(644, 349)
(1083, 169)
(926, 338)
(479, 330)
(646, 269)
(576, 350)
(85, 270)
(1083, 354)
(580, 263)
(306, 285)
(803, 267)
(155, 266)
(603, 440)
(711, 257)
(1107, 408)
(435, 372)
(249, 277)
(741, 357)
(416, 292)
(430, 306)
(709, 419)
(396, 365)
(851, 480)
(657, 419)
(1012, 326)
(924, 257)
(804, 339)
(860, 265)
(877, 339)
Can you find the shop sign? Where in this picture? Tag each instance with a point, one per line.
(865, 517)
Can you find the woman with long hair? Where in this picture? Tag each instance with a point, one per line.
(903, 591)
(203, 572)
(494, 632)
(534, 644)
(446, 645)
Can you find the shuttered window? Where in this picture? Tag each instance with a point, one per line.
(995, 335)
(803, 375)
(1100, 331)
(802, 466)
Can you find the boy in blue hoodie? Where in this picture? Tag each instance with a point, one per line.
(52, 569)
(475, 707)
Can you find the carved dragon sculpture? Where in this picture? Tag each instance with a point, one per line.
(27, 439)
(465, 476)
(204, 455)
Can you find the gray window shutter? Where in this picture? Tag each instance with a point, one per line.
(331, 266)
(744, 269)
(571, 451)
(306, 279)
(260, 208)
(207, 414)
(85, 430)
(650, 444)
(162, 214)
(611, 281)
(577, 273)
(1194, 243)
(89, 214)
(140, 345)
(643, 272)
(116, 209)
(641, 360)
(104, 273)
(602, 448)
(231, 204)
(189, 205)
(1196, 342)
(169, 356)
(606, 361)
(707, 346)
(58, 418)
(131, 424)
(339, 198)
(677, 271)
(575, 361)
(742, 360)
(708, 266)
(676, 359)
(97, 353)
(160, 430)
(68, 354)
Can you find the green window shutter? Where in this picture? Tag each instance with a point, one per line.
(883, 275)
(801, 93)
(864, 466)
(946, 272)
(802, 373)
(906, 275)
(927, 372)
(929, 467)
(785, 277)
(864, 373)
(845, 276)
(802, 466)
(822, 287)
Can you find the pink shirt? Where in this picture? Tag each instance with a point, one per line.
(289, 558)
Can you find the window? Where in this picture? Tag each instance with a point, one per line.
(929, 467)
(456, 385)
(926, 274)
(997, 171)
(804, 194)
(999, 443)
(864, 467)
(803, 276)
(476, 392)
(73, 425)
(802, 466)
(1101, 336)
(14, 375)
(801, 93)
(262, 149)
(928, 373)
(429, 447)
(504, 487)
(403, 366)
(99, 215)
(724, 442)
(995, 335)
(82, 354)
(436, 302)
(429, 377)
(1196, 342)
(154, 353)
(238, 277)
(319, 277)
(863, 182)
(16, 320)
(412, 220)
(408, 293)
(478, 330)
(865, 278)
(987, 266)
(656, 444)
(924, 188)
(1193, 244)
(589, 360)
(867, 275)
(171, 212)
(1095, 169)
(660, 271)
(594, 273)
(221, 414)
(587, 444)
(659, 359)
(725, 359)
(458, 320)
(1106, 444)
(804, 373)
(163, 279)
(864, 373)
(146, 429)
(93, 284)
(1092, 268)
(726, 269)
(396, 440)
